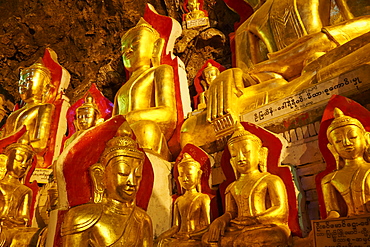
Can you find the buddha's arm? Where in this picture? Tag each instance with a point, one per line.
(218, 226)
(147, 233)
(164, 110)
(367, 193)
(39, 139)
(330, 197)
(23, 216)
(278, 212)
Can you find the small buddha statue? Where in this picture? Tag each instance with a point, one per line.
(113, 219)
(15, 197)
(209, 74)
(147, 100)
(191, 213)
(194, 11)
(349, 143)
(36, 114)
(87, 116)
(256, 206)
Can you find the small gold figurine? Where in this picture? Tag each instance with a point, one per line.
(113, 219)
(194, 11)
(191, 210)
(87, 116)
(147, 100)
(252, 216)
(36, 114)
(349, 143)
(15, 197)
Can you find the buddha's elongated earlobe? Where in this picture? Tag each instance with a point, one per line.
(97, 175)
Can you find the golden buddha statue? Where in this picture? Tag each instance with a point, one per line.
(191, 215)
(113, 219)
(36, 114)
(349, 143)
(209, 74)
(194, 11)
(87, 116)
(252, 216)
(15, 197)
(147, 100)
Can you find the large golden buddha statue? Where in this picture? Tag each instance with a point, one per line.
(15, 197)
(36, 114)
(281, 49)
(349, 143)
(252, 216)
(147, 100)
(113, 219)
(191, 214)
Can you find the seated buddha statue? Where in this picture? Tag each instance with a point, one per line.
(349, 143)
(194, 11)
(147, 100)
(15, 197)
(256, 205)
(209, 74)
(281, 49)
(36, 114)
(87, 116)
(191, 213)
(113, 219)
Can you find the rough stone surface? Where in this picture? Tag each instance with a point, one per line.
(86, 36)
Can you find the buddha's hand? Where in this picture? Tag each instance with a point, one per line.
(216, 230)
(223, 94)
(333, 215)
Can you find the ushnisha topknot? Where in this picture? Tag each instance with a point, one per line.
(23, 146)
(89, 103)
(39, 67)
(142, 24)
(341, 120)
(122, 145)
(241, 134)
(210, 67)
(187, 159)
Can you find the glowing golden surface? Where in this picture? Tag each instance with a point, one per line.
(349, 143)
(251, 215)
(36, 114)
(147, 99)
(191, 214)
(113, 219)
(194, 12)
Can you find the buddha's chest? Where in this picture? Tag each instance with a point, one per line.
(21, 117)
(137, 93)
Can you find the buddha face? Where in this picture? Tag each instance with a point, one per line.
(137, 49)
(245, 155)
(18, 162)
(210, 75)
(348, 141)
(123, 176)
(188, 176)
(85, 118)
(31, 85)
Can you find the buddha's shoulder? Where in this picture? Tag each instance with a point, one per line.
(163, 68)
(141, 216)
(328, 177)
(81, 218)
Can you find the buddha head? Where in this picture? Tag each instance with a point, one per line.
(87, 115)
(347, 137)
(35, 83)
(210, 73)
(19, 159)
(118, 174)
(141, 47)
(193, 5)
(247, 153)
(189, 173)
